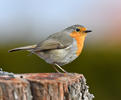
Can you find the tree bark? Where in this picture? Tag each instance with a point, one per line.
(44, 86)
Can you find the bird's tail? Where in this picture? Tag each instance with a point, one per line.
(29, 48)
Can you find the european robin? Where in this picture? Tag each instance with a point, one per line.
(60, 48)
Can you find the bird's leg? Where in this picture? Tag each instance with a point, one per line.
(61, 68)
(55, 69)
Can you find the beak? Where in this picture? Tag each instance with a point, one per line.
(87, 31)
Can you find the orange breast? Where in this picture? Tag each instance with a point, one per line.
(79, 37)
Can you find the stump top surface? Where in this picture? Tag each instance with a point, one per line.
(12, 80)
(51, 77)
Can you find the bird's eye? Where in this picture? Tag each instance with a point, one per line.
(78, 30)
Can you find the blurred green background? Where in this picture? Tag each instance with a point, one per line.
(28, 22)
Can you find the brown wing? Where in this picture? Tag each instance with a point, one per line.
(49, 45)
(55, 41)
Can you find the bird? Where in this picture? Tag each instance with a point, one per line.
(61, 47)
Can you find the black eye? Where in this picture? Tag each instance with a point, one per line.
(77, 29)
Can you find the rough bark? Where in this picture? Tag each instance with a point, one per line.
(14, 89)
(44, 86)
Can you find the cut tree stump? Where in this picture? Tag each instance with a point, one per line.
(44, 86)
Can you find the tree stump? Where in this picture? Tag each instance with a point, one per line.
(44, 86)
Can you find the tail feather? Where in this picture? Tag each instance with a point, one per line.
(23, 48)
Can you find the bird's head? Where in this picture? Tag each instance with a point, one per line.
(77, 31)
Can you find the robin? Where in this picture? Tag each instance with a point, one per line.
(60, 48)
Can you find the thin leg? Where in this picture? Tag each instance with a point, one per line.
(61, 68)
(55, 69)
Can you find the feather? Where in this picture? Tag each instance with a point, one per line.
(23, 48)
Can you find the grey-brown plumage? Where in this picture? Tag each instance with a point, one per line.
(55, 48)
